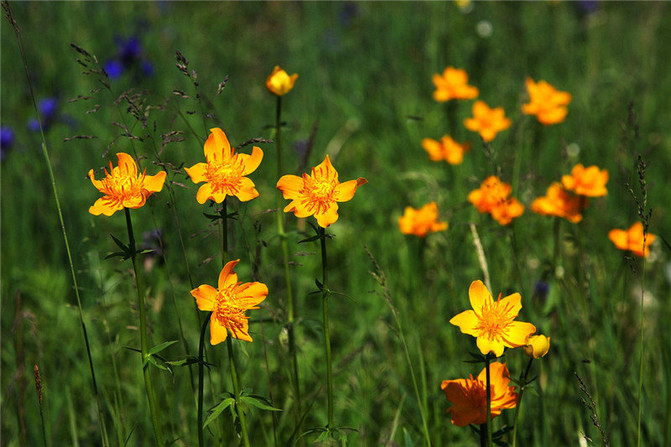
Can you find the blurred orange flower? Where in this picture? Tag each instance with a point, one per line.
(488, 122)
(446, 149)
(279, 82)
(547, 103)
(632, 240)
(123, 187)
(558, 202)
(224, 171)
(590, 182)
(493, 197)
(318, 194)
(469, 396)
(228, 304)
(453, 84)
(422, 221)
(492, 322)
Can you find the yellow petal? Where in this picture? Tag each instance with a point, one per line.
(205, 296)
(204, 193)
(479, 296)
(255, 293)
(345, 191)
(242, 333)
(154, 183)
(327, 217)
(127, 164)
(486, 346)
(518, 333)
(290, 185)
(512, 304)
(218, 333)
(197, 172)
(227, 277)
(467, 321)
(104, 206)
(97, 183)
(253, 161)
(247, 191)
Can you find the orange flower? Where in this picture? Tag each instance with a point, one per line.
(318, 194)
(123, 187)
(488, 122)
(632, 240)
(453, 84)
(493, 197)
(558, 202)
(422, 221)
(469, 396)
(492, 322)
(446, 149)
(224, 171)
(229, 303)
(547, 103)
(279, 82)
(590, 182)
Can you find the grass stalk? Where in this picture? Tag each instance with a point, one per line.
(325, 317)
(236, 390)
(201, 367)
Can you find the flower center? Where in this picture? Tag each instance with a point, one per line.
(228, 310)
(494, 321)
(120, 185)
(319, 193)
(225, 176)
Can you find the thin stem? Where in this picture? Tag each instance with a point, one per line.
(642, 344)
(236, 390)
(523, 384)
(45, 153)
(291, 304)
(144, 346)
(488, 391)
(327, 338)
(224, 233)
(201, 367)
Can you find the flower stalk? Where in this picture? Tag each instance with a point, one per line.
(523, 384)
(327, 339)
(488, 392)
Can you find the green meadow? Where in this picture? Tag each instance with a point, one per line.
(152, 78)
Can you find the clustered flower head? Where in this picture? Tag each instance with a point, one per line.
(547, 103)
(129, 54)
(421, 222)
(228, 304)
(446, 149)
(453, 84)
(469, 396)
(487, 121)
(123, 187)
(224, 171)
(588, 182)
(493, 197)
(317, 194)
(279, 82)
(633, 240)
(493, 322)
(561, 203)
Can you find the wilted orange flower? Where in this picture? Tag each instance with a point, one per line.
(590, 182)
(493, 197)
(279, 82)
(538, 346)
(558, 202)
(632, 240)
(488, 122)
(492, 322)
(469, 396)
(123, 187)
(446, 149)
(229, 303)
(422, 221)
(547, 103)
(224, 170)
(453, 84)
(317, 194)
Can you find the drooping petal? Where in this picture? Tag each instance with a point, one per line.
(345, 191)
(218, 333)
(197, 172)
(242, 332)
(154, 183)
(227, 277)
(205, 296)
(251, 162)
(105, 206)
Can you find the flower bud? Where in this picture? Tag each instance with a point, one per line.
(279, 82)
(538, 346)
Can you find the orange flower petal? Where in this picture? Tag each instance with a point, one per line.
(104, 206)
(205, 296)
(345, 191)
(197, 172)
(227, 277)
(127, 164)
(253, 161)
(154, 183)
(290, 185)
(218, 333)
(479, 296)
(328, 216)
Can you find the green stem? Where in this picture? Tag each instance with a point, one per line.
(144, 346)
(327, 338)
(45, 153)
(236, 390)
(488, 392)
(224, 233)
(642, 344)
(201, 368)
(291, 305)
(523, 384)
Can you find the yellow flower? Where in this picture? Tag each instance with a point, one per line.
(279, 82)
(224, 171)
(538, 346)
(123, 187)
(228, 304)
(469, 396)
(446, 149)
(547, 103)
(590, 182)
(492, 322)
(317, 194)
(487, 122)
(632, 240)
(559, 202)
(453, 84)
(422, 221)
(493, 197)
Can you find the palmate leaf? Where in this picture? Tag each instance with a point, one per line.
(215, 411)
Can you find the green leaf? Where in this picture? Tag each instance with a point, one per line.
(183, 362)
(115, 254)
(309, 239)
(161, 347)
(217, 410)
(406, 437)
(258, 402)
(121, 245)
(159, 363)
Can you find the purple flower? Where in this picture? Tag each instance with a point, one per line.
(48, 111)
(6, 141)
(130, 56)
(113, 68)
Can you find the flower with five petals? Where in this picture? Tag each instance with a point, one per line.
(546, 102)
(633, 240)
(589, 182)
(487, 121)
(453, 84)
(422, 221)
(446, 149)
